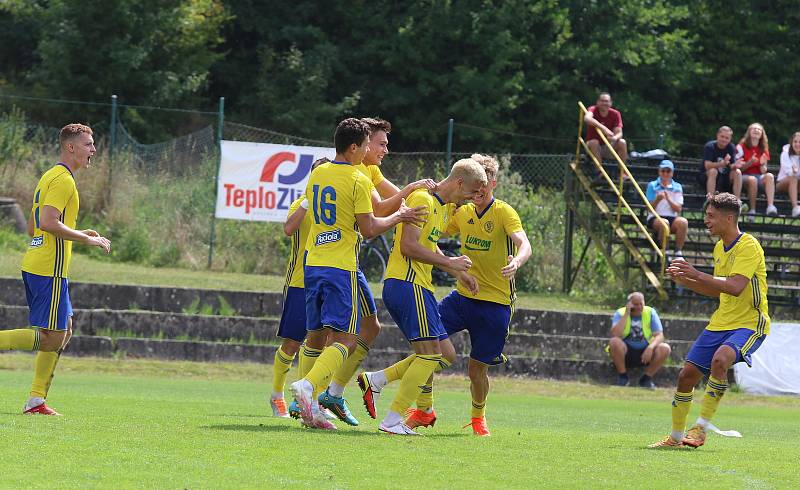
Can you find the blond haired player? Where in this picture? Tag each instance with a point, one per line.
(408, 292)
(45, 268)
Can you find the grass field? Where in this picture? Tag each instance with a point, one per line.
(85, 269)
(133, 423)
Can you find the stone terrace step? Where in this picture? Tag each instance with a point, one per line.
(542, 367)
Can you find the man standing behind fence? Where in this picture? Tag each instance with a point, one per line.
(601, 118)
(45, 267)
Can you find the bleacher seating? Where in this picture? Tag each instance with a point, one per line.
(778, 235)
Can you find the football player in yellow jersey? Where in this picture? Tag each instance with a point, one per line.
(45, 268)
(386, 199)
(341, 211)
(736, 329)
(408, 291)
(493, 238)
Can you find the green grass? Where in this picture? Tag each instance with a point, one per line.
(86, 269)
(191, 425)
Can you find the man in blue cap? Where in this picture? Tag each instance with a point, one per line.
(666, 197)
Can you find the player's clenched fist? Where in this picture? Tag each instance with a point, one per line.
(460, 264)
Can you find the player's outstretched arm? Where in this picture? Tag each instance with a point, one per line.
(51, 223)
(371, 226)
(411, 248)
(685, 274)
(294, 220)
(386, 198)
(523, 245)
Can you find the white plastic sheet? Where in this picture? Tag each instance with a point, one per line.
(776, 364)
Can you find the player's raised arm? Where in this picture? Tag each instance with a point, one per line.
(294, 220)
(523, 247)
(685, 274)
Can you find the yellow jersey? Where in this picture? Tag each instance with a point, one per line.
(48, 255)
(744, 257)
(439, 213)
(336, 193)
(486, 240)
(294, 269)
(373, 172)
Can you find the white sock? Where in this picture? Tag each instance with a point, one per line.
(702, 422)
(392, 418)
(378, 379)
(335, 389)
(277, 395)
(677, 435)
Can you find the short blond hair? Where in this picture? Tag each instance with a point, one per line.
(70, 131)
(470, 170)
(490, 165)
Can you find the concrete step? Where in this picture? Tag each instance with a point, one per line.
(540, 367)
(174, 326)
(129, 301)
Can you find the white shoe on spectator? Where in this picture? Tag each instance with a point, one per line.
(751, 212)
(795, 211)
(678, 254)
(772, 210)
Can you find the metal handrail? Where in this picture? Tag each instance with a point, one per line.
(624, 172)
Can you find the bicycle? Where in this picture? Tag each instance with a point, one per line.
(372, 258)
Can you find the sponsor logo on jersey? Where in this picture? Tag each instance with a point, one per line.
(478, 244)
(328, 237)
(37, 241)
(435, 234)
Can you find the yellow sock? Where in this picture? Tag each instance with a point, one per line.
(329, 361)
(680, 411)
(283, 363)
(416, 376)
(344, 374)
(478, 409)
(425, 398)
(19, 339)
(715, 389)
(43, 368)
(398, 369)
(306, 360)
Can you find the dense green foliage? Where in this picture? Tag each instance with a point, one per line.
(676, 67)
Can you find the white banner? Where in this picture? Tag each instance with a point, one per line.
(258, 181)
(775, 369)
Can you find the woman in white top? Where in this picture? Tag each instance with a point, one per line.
(790, 171)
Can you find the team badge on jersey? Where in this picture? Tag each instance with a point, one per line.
(489, 226)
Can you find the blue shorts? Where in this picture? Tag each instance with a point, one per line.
(743, 340)
(48, 301)
(414, 310)
(293, 318)
(366, 300)
(486, 322)
(332, 299)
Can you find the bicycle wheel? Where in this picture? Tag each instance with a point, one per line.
(372, 263)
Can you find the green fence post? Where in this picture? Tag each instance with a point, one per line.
(220, 122)
(112, 141)
(449, 142)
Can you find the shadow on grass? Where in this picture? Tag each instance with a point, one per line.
(345, 431)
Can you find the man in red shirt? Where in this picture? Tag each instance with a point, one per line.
(601, 118)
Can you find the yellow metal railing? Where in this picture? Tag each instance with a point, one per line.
(624, 174)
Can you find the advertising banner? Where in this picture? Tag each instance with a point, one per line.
(258, 181)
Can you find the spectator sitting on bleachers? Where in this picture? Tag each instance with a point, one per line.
(716, 171)
(790, 171)
(637, 339)
(752, 155)
(602, 118)
(666, 197)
